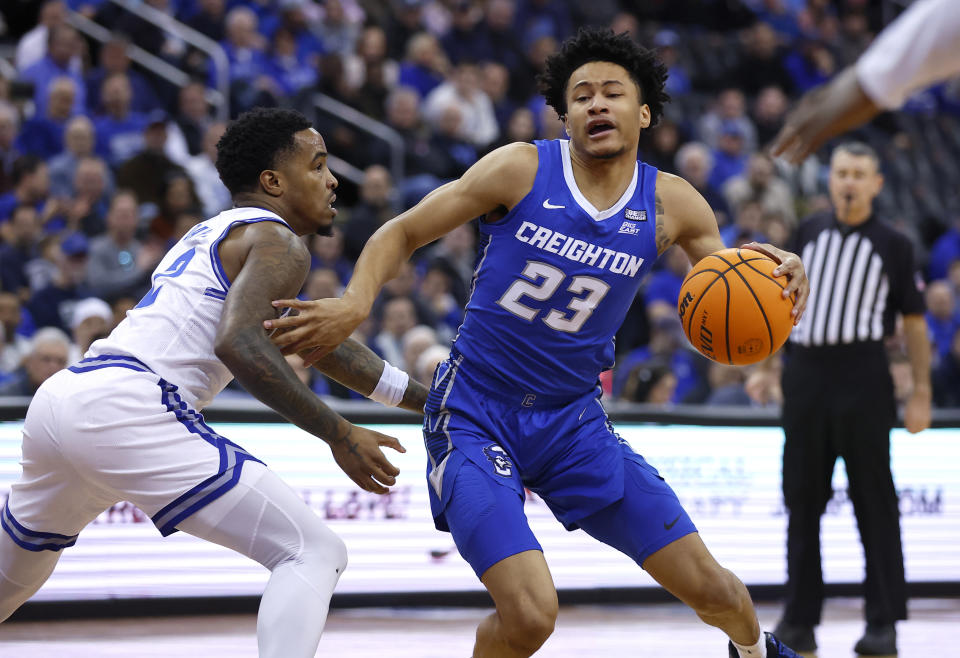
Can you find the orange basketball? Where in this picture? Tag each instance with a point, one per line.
(732, 307)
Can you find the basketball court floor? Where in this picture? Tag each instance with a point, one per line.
(588, 631)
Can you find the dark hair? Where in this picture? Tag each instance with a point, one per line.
(602, 45)
(24, 166)
(859, 149)
(257, 140)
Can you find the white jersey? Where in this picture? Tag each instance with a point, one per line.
(915, 51)
(173, 328)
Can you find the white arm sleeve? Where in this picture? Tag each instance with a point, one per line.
(918, 49)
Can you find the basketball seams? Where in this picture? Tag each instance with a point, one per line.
(732, 321)
(756, 299)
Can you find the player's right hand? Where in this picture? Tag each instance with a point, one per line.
(358, 454)
(319, 325)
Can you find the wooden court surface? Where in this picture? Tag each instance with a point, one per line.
(588, 631)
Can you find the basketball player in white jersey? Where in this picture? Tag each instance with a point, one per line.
(124, 423)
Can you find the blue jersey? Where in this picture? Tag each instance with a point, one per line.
(554, 280)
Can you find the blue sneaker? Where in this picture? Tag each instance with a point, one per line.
(775, 649)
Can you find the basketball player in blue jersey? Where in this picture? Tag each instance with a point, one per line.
(124, 423)
(570, 229)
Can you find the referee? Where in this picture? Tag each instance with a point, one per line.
(838, 397)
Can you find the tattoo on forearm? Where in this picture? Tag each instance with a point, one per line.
(354, 365)
(662, 239)
(275, 267)
(415, 397)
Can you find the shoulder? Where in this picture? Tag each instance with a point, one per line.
(267, 241)
(505, 175)
(515, 158)
(678, 200)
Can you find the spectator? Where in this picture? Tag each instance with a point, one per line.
(415, 342)
(760, 183)
(495, 82)
(464, 41)
(424, 66)
(92, 320)
(42, 270)
(945, 250)
(662, 144)
(539, 18)
(9, 127)
(178, 197)
(79, 139)
(520, 127)
(53, 305)
(769, 112)
(678, 80)
(86, 208)
(119, 129)
(119, 265)
(666, 345)
(375, 207)
(405, 22)
(250, 82)
(428, 361)
(31, 186)
(810, 66)
(762, 63)
(202, 169)
(338, 29)
(15, 346)
(695, 163)
(663, 285)
(371, 50)
(651, 382)
(943, 317)
(731, 155)
(730, 106)
(294, 16)
(193, 115)
(49, 353)
(399, 316)
(726, 386)
(286, 65)
(19, 247)
(747, 225)
(326, 251)
(149, 168)
(63, 46)
(449, 138)
(946, 376)
(504, 45)
(32, 46)
(43, 135)
(209, 18)
(322, 283)
(435, 291)
(114, 59)
(456, 251)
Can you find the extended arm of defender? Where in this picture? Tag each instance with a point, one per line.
(354, 365)
(501, 178)
(276, 265)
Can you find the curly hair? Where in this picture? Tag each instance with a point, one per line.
(257, 140)
(602, 45)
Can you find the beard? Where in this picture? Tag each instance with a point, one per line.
(325, 231)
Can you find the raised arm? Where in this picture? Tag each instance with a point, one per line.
(500, 179)
(273, 262)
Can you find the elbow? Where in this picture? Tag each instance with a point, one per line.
(224, 348)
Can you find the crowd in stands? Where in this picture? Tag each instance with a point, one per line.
(104, 164)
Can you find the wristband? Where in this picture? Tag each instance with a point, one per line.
(391, 387)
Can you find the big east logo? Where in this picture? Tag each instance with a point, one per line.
(684, 303)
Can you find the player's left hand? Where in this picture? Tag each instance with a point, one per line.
(916, 413)
(791, 267)
(319, 325)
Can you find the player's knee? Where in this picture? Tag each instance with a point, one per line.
(529, 623)
(720, 593)
(323, 548)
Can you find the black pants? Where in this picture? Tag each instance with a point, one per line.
(838, 404)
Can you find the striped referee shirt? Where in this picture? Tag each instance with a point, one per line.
(860, 278)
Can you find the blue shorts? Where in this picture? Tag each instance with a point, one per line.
(486, 443)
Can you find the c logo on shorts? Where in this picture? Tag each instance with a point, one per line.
(498, 457)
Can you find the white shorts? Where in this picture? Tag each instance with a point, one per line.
(105, 430)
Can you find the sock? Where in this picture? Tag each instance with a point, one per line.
(757, 650)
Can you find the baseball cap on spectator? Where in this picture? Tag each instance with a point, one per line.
(91, 307)
(75, 244)
(666, 39)
(732, 128)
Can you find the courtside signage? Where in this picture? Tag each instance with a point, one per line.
(727, 477)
